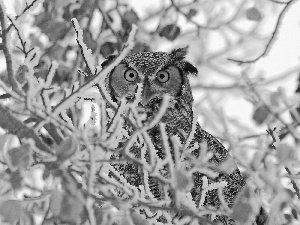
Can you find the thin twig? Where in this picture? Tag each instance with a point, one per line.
(190, 20)
(23, 43)
(271, 40)
(16, 127)
(107, 21)
(7, 54)
(278, 2)
(28, 7)
(297, 191)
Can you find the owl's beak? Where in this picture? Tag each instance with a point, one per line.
(146, 92)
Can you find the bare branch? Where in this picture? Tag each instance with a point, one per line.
(8, 57)
(271, 40)
(14, 126)
(99, 77)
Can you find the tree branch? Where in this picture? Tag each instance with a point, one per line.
(14, 126)
(271, 40)
(8, 57)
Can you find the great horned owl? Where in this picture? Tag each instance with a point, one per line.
(163, 73)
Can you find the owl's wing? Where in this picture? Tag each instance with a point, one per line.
(230, 174)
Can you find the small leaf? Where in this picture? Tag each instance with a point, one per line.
(261, 113)
(137, 219)
(21, 74)
(99, 215)
(183, 182)
(56, 198)
(295, 113)
(53, 28)
(294, 213)
(275, 97)
(242, 211)
(253, 14)
(298, 84)
(191, 13)
(5, 96)
(140, 47)
(15, 180)
(130, 17)
(11, 211)
(66, 148)
(288, 217)
(88, 40)
(71, 209)
(3, 140)
(170, 32)
(20, 157)
(108, 48)
(125, 220)
(285, 152)
(228, 166)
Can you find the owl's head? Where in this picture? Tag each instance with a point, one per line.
(159, 73)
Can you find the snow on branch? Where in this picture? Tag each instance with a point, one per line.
(85, 51)
(99, 78)
(6, 49)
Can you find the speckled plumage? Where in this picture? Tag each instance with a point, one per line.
(178, 119)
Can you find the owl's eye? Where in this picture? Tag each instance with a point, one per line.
(130, 75)
(162, 76)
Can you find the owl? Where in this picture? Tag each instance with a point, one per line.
(161, 73)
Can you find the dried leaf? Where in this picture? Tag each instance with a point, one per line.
(298, 84)
(130, 17)
(295, 114)
(71, 209)
(11, 211)
(3, 140)
(140, 47)
(242, 210)
(191, 13)
(285, 153)
(294, 213)
(275, 97)
(20, 158)
(253, 14)
(108, 48)
(171, 32)
(137, 219)
(66, 148)
(15, 180)
(66, 207)
(183, 181)
(125, 220)
(228, 166)
(4, 96)
(54, 29)
(88, 40)
(261, 113)
(56, 198)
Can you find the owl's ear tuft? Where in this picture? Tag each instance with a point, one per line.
(179, 53)
(108, 60)
(190, 68)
